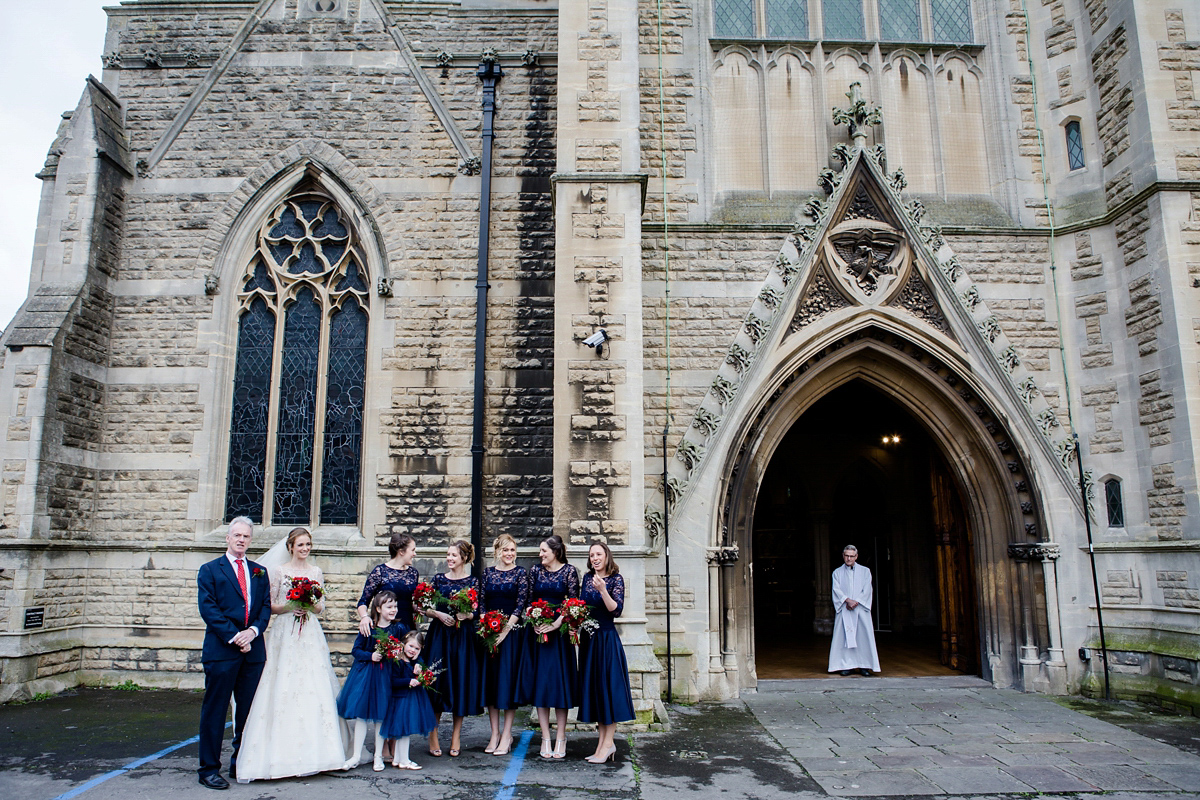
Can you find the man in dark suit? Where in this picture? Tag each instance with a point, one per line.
(235, 603)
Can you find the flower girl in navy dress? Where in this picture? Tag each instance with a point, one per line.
(605, 697)
(410, 711)
(549, 675)
(368, 688)
(452, 641)
(505, 589)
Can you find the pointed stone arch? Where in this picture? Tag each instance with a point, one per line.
(989, 463)
(308, 159)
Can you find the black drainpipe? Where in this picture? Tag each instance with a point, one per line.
(489, 72)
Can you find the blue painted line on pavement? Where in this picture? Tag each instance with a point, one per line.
(509, 785)
(99, 779)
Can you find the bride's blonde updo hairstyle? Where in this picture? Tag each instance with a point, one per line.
(498, 545)
(296, 533)
(465, 550)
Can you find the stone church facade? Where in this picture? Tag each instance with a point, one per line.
(896, 272)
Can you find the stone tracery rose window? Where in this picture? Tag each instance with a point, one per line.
(295, 443)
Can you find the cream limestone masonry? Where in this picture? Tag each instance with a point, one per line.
(598, 478)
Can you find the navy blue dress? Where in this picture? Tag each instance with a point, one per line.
(368, 688)
(400, 582)
(410, 712)
(507, 592)
(549, 674)
(604, 673)
(460, 651)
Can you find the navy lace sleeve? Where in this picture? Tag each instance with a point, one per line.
(374, 581)
(572, 581)
(616, 590)
(523, 589)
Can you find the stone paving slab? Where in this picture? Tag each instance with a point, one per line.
(874, 783)
(973, 780)
(1109, 777)
(1049, 779)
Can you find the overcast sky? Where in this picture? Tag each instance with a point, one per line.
(47, 50)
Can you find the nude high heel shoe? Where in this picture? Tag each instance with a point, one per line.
(608, 755)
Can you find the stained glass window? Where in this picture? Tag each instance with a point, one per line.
(251, 403)
(952, 21)
(844, 20)
(900, 20)
(1113, 503)
(733, 18)
(787, 19)
(300, 370)
(1075, 146)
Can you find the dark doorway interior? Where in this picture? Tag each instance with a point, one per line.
(858, 469)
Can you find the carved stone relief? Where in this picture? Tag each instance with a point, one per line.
(820, 299)
(916, 299)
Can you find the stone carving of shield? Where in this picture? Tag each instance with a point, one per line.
(868, 258)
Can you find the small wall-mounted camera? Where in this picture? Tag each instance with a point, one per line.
(596, 341)
(1085, 654)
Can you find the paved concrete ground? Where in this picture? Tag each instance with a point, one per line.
(806, 739)
(959, 736)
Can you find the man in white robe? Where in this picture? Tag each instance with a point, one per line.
(853, 646)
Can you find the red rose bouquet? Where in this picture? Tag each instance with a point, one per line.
(304, 596)
(491, 626)
(539, 612)
(427, 676)
(426, 598)
(387, 645)
(578, 619)
(464, 601)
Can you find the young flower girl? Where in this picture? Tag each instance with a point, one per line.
(368, 688)
(410, 710)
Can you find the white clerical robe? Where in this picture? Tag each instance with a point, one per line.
(853, 645)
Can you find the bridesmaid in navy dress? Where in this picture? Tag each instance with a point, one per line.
(549, 675)
(605, 696)
(398, 576)
(505, 589)
(459, 689)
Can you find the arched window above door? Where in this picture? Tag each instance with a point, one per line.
(295, 441)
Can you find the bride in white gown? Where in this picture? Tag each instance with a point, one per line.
(293, 727)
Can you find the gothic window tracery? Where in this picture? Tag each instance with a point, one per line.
(936, 21)
(295, 446)
(1113, 503)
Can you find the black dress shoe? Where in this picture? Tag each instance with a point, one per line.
(214, 781)
(865, 672)
(847, 673)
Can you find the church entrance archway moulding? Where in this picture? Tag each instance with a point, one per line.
(984, 462)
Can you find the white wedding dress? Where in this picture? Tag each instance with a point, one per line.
(293, 728)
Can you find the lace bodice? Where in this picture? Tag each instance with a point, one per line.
(553, 587)
(448, 586)
(400, 582)
(281, 582)
(506, 591)
(595, 601)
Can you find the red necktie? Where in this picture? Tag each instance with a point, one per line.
(242, 583)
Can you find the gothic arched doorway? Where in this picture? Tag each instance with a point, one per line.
(980, 500)
(857, 468)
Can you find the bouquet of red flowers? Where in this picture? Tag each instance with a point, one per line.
(464, 601)
(304, 596)
(539, 612)
(427, 676)
(426, 598)
(387, 645)
(578, 619)
(491, 625)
